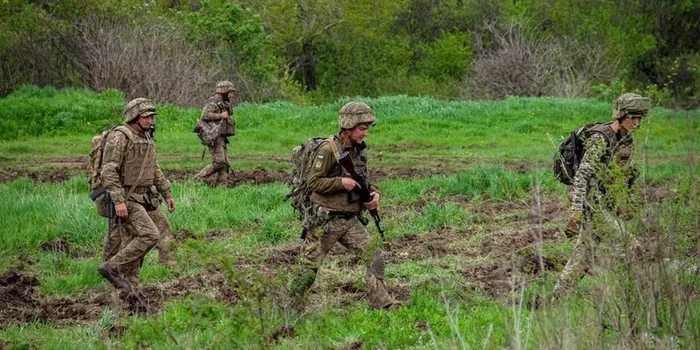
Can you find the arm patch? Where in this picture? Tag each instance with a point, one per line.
(318, 163)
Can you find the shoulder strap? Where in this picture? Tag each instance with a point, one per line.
(607, 133)
(334, 147)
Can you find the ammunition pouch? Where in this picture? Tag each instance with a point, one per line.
(152, 199)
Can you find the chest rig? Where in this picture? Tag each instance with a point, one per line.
(139, 158)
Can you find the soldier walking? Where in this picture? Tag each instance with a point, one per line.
(219, 109)
(129, 171)
(606, 147)
(336, 219)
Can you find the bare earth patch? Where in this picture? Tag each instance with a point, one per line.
(23, 304)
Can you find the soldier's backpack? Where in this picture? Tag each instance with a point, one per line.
(302, 161)
(99, 195)
(568, 156)
(207, 131)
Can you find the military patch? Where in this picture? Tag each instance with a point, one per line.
(319, 161)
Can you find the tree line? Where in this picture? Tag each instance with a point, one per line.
(311, 51)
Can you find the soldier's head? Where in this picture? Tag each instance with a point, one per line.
(225, 89)
(354, 119)
(140, 111)
(628, 110)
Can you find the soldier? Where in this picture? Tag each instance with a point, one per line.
(606, 146)
(219, 109)
(336, 218)
(129, 171)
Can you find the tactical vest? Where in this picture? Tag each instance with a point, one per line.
(339, 201)
(140, 151)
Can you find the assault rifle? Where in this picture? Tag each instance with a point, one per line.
(363, 193)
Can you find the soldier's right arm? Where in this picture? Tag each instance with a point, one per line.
(595, 149)
(319, 179)
(211, 112)
(115, 148)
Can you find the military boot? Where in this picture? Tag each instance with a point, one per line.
(378, 295)
(113, 276)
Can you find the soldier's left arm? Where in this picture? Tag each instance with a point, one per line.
(162, 184)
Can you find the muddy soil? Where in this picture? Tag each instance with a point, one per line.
(24, 304)
(251, 176)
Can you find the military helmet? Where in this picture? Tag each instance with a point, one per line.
(138, 107)
(223, 87)
(355, 113)
(630, 103)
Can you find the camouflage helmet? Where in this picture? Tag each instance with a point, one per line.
(630, 103)
(138, 107)
(355, 113)
(223, 87)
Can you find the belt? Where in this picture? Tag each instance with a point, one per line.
(342, 214)
(137, 190)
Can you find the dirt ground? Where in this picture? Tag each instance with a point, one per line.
(258, 175)
(506, 255)
(24, 304)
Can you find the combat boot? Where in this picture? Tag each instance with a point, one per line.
(113, 276)
(378, 295)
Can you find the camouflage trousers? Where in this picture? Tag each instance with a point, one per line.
(584, 255)
(128, 242)
(219, 162)
(352, 234)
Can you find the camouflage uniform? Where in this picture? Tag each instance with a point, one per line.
(602, 147)
(338, 220)
(219, 150)
(129, 169)
(112, 241)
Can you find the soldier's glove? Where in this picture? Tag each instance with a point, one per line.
(573, 227)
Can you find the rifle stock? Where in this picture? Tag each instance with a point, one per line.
(363, 193)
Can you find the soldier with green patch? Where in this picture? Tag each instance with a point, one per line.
(605, 147)
(335, 217)
(219, 110)
(129, 173)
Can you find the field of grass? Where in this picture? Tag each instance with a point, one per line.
(472, 212)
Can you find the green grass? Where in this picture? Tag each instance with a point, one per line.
(495, 151)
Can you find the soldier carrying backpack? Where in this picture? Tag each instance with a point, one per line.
(323, 194)
(128, 184)
(583, 161)
(213, 128)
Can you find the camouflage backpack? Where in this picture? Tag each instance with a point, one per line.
(570, 153)
(97, 148)
(302, 160)
(207, 131)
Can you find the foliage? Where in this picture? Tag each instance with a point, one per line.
(320, 50)
(450, 236)
(32, 111)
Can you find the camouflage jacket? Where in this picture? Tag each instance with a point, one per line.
(324, 179)
(593, 170)
(212, 112)
(126, 151)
